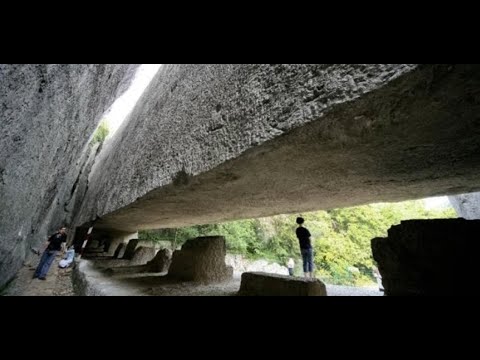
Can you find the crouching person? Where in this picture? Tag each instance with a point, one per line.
(68, 258)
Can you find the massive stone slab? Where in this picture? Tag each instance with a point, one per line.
(48, 113)
(211, 143)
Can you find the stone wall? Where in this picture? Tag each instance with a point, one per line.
(429, 257)
(48, 113)
(467, 206)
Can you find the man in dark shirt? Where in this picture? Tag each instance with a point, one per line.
(55, 243)
(304, 236)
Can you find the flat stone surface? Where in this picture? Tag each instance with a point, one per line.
(264, 284)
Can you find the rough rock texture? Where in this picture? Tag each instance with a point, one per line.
(263, 284)
(142, 255)
(201, 259)
(110, 263)
(130, 250)
(161, 262)
(158, 245)
(92, 281)
(467, 206)
(193, 118)
(119, 251)
(429, 257)
(209, 143)
(80, 281)
(89, 281)
(114, 239)
(48, 112)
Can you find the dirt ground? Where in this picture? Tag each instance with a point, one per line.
(58, 282)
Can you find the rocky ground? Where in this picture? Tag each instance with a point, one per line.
(59, 283)
(155, 284)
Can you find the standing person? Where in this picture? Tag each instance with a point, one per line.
(304, 239)
(290, 265)
(55, 243)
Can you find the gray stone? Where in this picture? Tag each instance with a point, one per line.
(263, 284)
(112, 263)
(429, 257)
(114, 239)
(142, 255)
(201, 259)
(119, 251)
(130, 250)
(213, 143)
(48, 112)
(89, 281)
(161, 262)
(466, 206)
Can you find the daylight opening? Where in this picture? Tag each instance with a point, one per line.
(122, 107)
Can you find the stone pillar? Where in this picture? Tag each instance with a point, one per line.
(161, 262)
(117, 238)
(142, 255)
(119, 251)
(201, 259)
(130, 250)
(429, 257)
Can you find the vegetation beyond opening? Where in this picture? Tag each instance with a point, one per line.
(341, 237)
(101, 133)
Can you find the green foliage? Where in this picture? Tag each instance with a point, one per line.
(341, 237)
(156, 235)
(101, 133)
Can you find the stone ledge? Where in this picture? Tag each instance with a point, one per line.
(263, 284)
